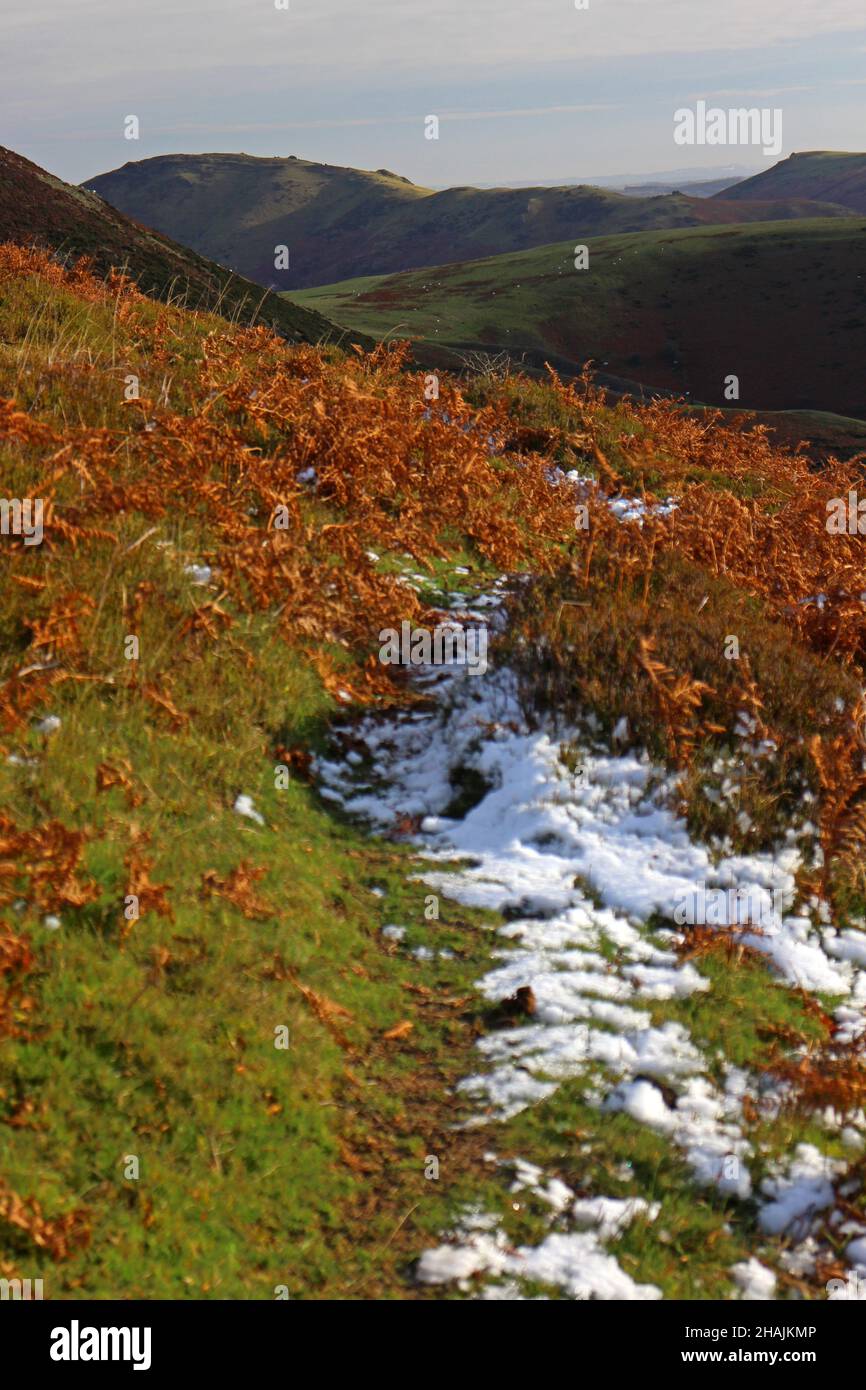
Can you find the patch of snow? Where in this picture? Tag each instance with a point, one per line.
(573, 1261)
(49, 725)
(797, 1196)
(758, 1284)
(199, 574)
(580, 866)
(244, 807)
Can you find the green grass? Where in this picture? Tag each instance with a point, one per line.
(784, 297)
(699, 1234)
(244, 1183)
(258, 1167)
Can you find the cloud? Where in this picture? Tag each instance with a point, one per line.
(537, 70)
(320, 39)
(227, 125)
(753, 93)
(350, 122)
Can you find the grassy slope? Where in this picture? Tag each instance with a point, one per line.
(37, 208)
(788, 304)
(261, 1167)
(258, 1167)
(341, 222)
(827, 175)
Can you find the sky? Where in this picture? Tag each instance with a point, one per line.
(525, 90)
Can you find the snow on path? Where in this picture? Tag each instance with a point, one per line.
(580, 862)
(574, 1261)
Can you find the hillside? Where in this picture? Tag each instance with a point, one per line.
(237, 209)
(278, 916)
(339, 222)
(786, 303)
(38, 209)
(825, 175)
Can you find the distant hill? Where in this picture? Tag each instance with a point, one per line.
(824, 175)
(705, 188)
(339, 222)
(38, 209)
(780, 305)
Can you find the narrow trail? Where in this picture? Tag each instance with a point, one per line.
(587, 862)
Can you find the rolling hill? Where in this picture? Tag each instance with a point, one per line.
(826, 175)
(338, 222)
(38, 209)
(780, 305)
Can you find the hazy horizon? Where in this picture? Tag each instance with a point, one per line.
(542, 97)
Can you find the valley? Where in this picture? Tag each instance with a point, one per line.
(784, 298)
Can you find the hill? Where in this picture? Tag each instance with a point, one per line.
(338, 222)
(781, 305)
(825, 175)
(38, 209)
(703, 188)
(298, 953)
(238, 208)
